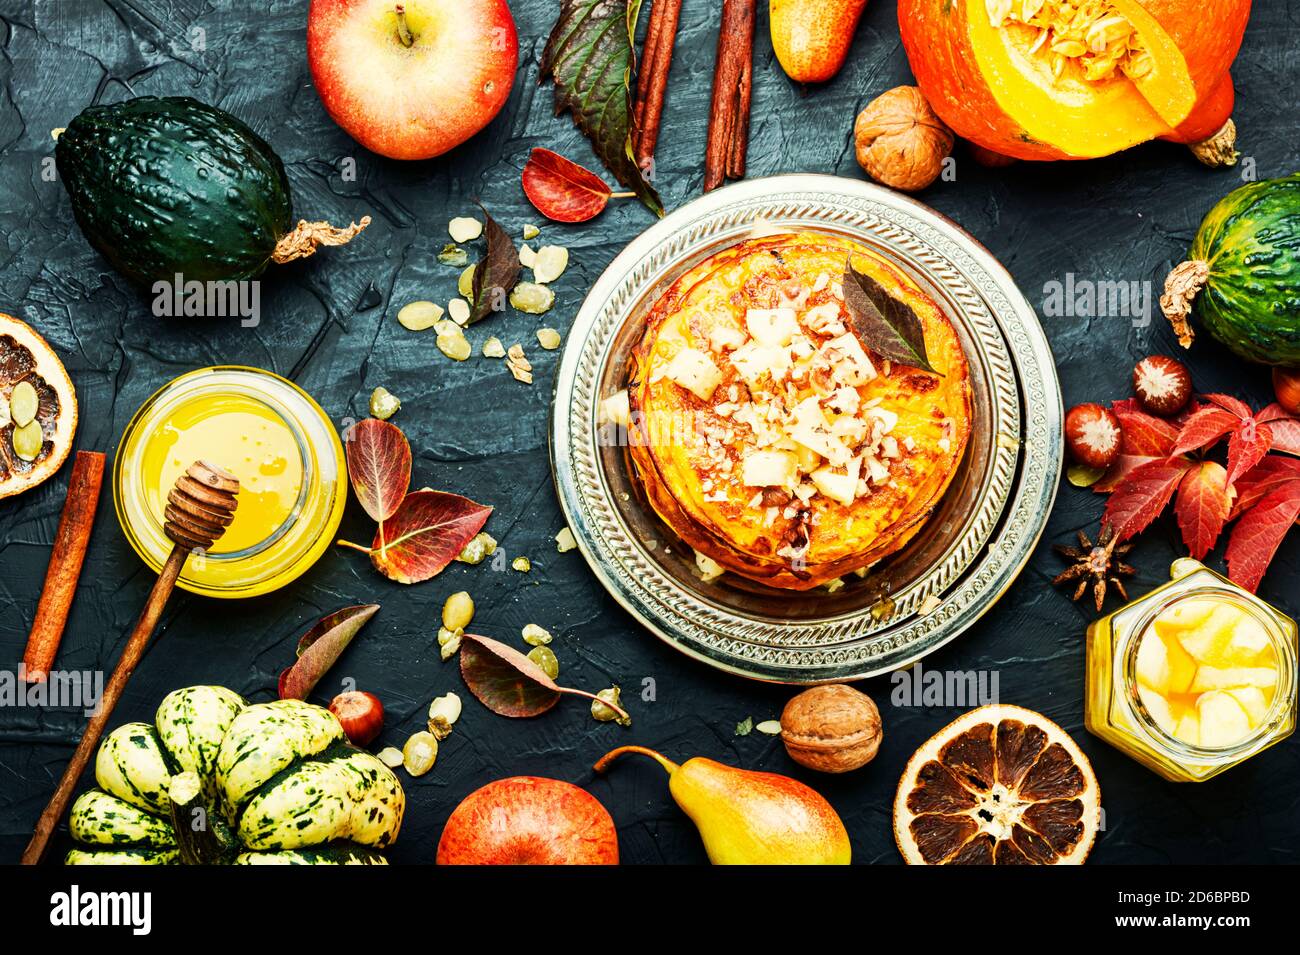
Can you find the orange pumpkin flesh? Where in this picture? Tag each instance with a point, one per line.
(993, 88)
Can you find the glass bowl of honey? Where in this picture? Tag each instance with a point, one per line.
(1193, 678)
(271, 435)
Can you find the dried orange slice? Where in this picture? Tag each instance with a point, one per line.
(38, 408)
(1000, 785)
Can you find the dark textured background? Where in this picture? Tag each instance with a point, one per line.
(329, 324)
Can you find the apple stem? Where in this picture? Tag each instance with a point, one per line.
(364, 550)
(403, 31)
(603, 763)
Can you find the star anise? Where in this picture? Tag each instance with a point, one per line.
(1097, 564)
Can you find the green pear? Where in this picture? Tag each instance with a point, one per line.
(751, 818)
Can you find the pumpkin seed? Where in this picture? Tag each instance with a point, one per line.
(456, 347)
(548, 338)
(605, 713)
(23, 403)
(458, 309)
(492, 348)
(522, 564)
(531, 231)
(480, 546)
(28, 440)
(547, 661)
(383, 403)
(420, 753)
(443, 713)
(550, 263)
(452, 254)
(536, 636)
(448, 649)
(464, 229)
(770, 727)
(532, 298)
(527, 256)
(465, 284)
(417, 316)
(564, 541)
(458, 611)
(390, 756)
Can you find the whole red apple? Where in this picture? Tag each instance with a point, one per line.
(528, 820)
(410, 79)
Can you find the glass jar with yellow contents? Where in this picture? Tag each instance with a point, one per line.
(1193, 678)
(274, 438)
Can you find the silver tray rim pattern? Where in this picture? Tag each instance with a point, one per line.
(1015, 498)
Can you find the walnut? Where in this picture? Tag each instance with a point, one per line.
(900, 141)
(832, 728)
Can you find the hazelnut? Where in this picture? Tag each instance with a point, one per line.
(1092, 435)
(832, 729)
(1162, 385)
(1286, 386)
(900, 141)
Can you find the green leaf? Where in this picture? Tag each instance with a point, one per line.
(745, 726)
(887, 326)
(590, 56)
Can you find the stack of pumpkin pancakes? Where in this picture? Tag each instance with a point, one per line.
(766, 432)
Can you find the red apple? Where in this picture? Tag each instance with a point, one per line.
(527, 820)
(410, 79)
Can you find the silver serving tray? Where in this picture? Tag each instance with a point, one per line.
(971, 548)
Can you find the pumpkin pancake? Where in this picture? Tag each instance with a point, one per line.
(766, 432)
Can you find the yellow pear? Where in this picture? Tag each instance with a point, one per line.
(751, 818)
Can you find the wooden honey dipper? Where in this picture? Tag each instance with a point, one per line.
(200, 507)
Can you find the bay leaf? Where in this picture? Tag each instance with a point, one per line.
(887, 325)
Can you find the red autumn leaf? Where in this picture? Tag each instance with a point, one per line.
(1118, 472)
(379, 465)
(1229, 403)
(1144, 435)
(1204, 429)
(1259, 532)
(1247, 445)
(1285, 428)
(562, 190)
(1202, 507)
(510, 684)
(1140, 499)
(425, 535)
(320, 646)
(1261, 480)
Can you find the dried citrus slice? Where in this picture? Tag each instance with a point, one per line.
(35, 435)
(1000, 785)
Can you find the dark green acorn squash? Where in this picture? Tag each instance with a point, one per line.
(215, 781)
(168, 186)
(1242, 277)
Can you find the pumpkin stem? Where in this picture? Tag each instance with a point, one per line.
(1219, 151)
(304, 239)
(1181, 287)
(201, 837)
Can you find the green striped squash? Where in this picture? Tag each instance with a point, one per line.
(215, 780)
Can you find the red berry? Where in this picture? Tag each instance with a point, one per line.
(1162, 385)
(1092, 435)
(361, 714)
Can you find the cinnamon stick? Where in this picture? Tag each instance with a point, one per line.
(656, 60)
(728, 141)
(66, 558)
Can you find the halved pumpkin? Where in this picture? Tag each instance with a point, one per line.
(1064, 79)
